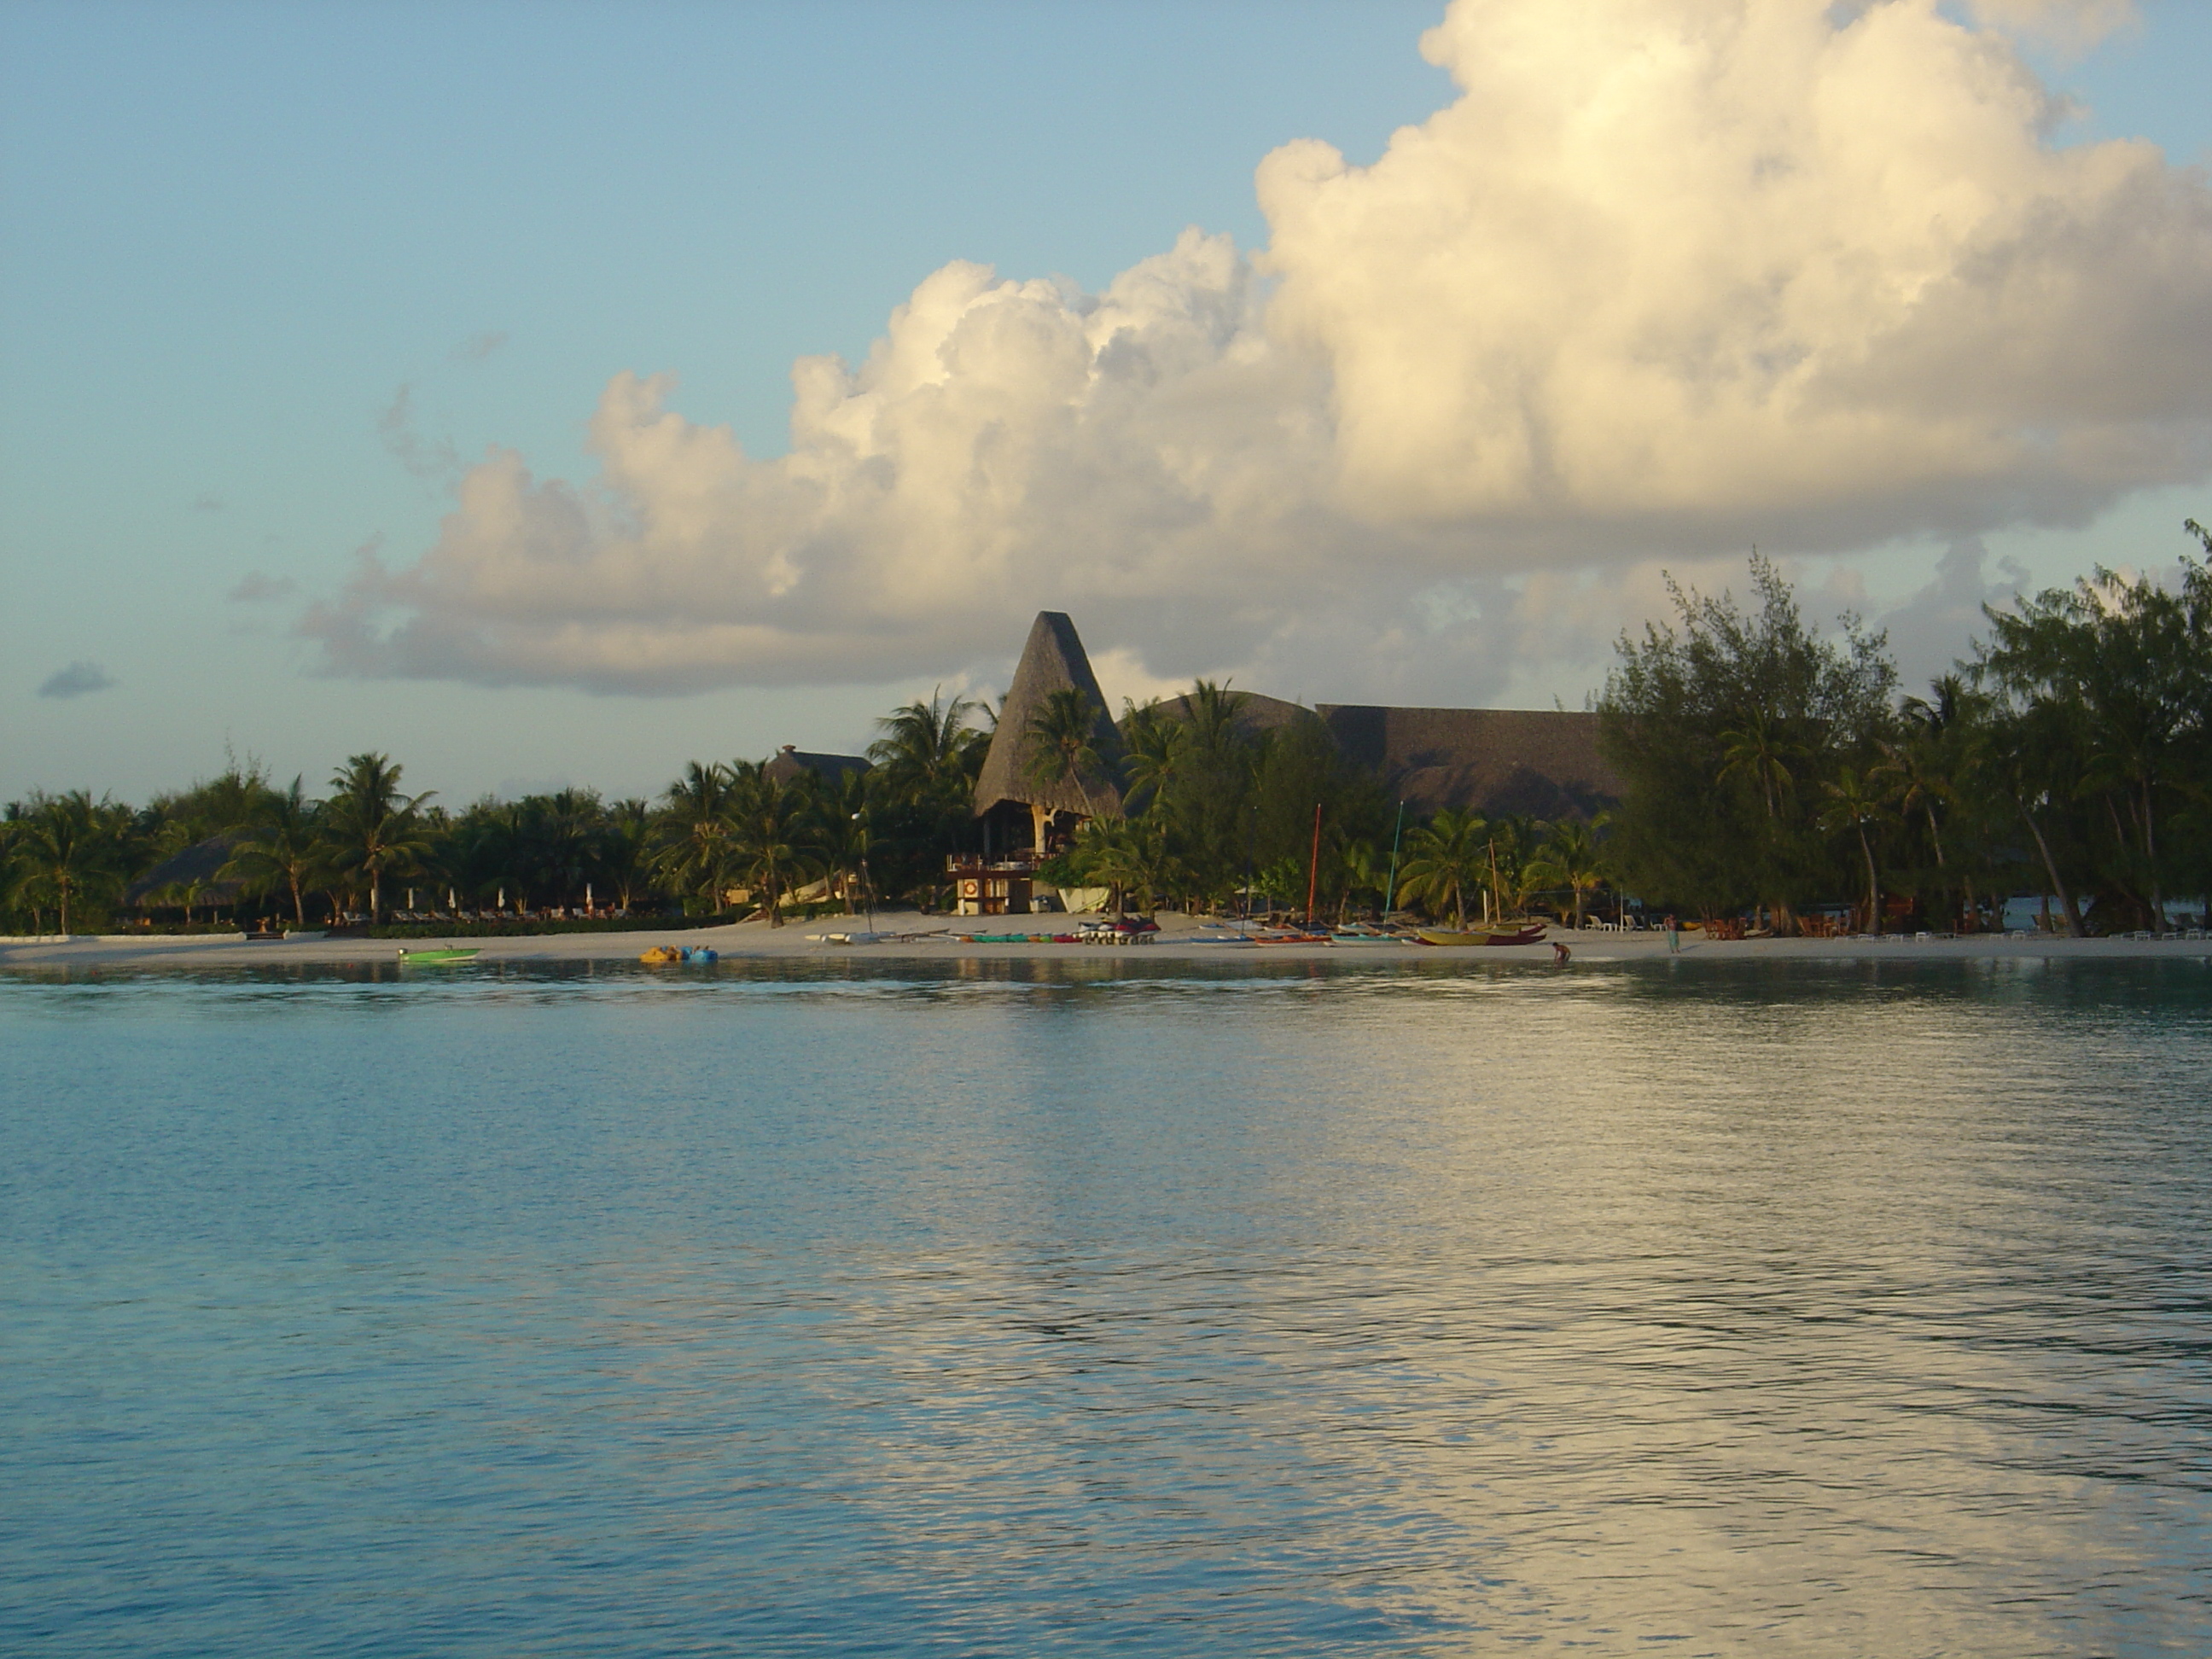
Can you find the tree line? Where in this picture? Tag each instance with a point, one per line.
(1769, 772)
(348, 854)
(1772, 777)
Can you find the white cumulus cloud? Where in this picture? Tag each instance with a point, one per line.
(1667, 278)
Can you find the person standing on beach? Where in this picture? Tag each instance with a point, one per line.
(1674, 935)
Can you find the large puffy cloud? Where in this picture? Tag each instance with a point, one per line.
(1667, 276)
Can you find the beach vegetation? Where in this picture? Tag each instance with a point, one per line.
(1772, 777)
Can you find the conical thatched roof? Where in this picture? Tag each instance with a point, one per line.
(1052, 661)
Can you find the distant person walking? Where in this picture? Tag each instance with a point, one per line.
(1674, 935)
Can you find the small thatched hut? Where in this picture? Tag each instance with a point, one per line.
(789, 765)
(1013, 795)
(190, 878)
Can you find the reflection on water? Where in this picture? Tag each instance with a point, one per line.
(1005, 1307)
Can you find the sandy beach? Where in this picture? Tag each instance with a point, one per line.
(929, 938)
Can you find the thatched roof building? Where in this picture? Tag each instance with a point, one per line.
(198, 863)
(1544, 763)
(1052, 661)
(790, 763)
(1256, 713)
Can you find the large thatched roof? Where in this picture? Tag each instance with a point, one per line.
(199, 862)
(1544, 763)
(1254, 713)
(1052, 661)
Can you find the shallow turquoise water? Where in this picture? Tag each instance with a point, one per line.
(1021, 1309)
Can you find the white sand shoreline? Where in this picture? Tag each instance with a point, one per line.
(1178, 938)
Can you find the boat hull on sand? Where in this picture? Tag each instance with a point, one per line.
(1532, 935)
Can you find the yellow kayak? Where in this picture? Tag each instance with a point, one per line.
(1531, 934)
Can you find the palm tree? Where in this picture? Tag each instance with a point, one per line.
(924, 748)
(69, 851)
(1360, 868)
(1511, 836)
(374, 829)
(1856, 800)
(1063, 736)
(842, 823)
(1156, 748)
(1130, 856)
(1757, 748)
(768, 832)
(622, 844)
(692, 846)
(1214, 713)
(1447, 857)
(281, 841)
(561, 835)
(1571, 858)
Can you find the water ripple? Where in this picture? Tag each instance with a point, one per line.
(1019, 1309)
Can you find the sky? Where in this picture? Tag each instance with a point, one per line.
(550, 394)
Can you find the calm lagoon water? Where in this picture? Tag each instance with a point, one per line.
(1016, 1308)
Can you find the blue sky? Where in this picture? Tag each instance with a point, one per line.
(272, 278)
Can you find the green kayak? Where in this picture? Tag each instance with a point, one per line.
(428, 957)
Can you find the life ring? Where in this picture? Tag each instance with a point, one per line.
(971, 889)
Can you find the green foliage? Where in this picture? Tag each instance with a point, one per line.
(280, 844)
(1765, 765)
(68, 851)
(2102, 694)
(1725, 727)
(1571, 859)
(373, 831)
(1064, 744)
(1447, 859)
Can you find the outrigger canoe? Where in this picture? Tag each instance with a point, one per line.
(429, 958)
(1531, 934)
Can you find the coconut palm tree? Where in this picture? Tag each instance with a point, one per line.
(560, 841)
(1158, 748)
(692, 844)
(1214, 710)
(69, 851)
(925, 747)
(1447, 858)
(769, 832)
(1063, 736)
(623, 846)
(373, 829)
(840, 827)
(281, 841)
(1856, 801)
(1571, 858)
(1758, 749)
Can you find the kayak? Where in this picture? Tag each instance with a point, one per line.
(429, 958)
(663, 955)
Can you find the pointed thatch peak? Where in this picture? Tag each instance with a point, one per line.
(1052, 661)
